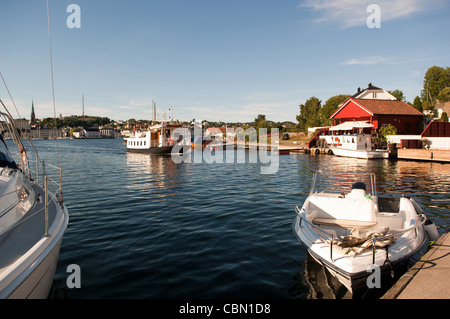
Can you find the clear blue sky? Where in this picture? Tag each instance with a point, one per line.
(215, 60)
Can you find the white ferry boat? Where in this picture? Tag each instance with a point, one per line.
(159, 139)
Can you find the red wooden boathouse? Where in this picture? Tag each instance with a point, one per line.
(379, 108)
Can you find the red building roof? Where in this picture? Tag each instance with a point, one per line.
(371, 107)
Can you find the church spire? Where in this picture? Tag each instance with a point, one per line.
(33, 116)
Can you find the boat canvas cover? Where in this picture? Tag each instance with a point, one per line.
(351, 125)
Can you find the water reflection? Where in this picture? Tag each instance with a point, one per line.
(313, 281)
(152, 171)
(178, 229)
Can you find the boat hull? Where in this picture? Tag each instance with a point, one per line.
(31, 275)
(360, 154)
(152, 150)
(159, 150)
(356, 282)
(354, 278)
(38, 284)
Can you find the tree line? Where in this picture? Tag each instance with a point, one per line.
(74, 121)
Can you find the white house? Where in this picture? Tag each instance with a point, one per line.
(373, 93)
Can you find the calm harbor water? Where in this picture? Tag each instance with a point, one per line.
(142, 226)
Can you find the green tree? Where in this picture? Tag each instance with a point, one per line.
(436, 79)
(331, 106)
(398, 94)
(260, 122)
(444, 117)
(444, 95)
(417, 104)
(386, 130)
(309, 114)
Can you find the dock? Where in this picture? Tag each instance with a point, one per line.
(424, 155)
(428, 278)
(282, 149)
(431, 155)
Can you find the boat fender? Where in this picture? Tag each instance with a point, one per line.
(171, 141)
(431, 230)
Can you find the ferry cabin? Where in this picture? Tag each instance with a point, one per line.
(358, 142)
(161, 135)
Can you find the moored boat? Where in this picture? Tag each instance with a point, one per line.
(32, 222)
(159, 139)
(347, 228)
(354, 139)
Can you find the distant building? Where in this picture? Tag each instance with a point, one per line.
(92, 133)
(441, 108)
(22, 124)
(216, 131)
(373, 93)
(107, 132)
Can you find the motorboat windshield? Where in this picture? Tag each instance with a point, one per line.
(343, 183)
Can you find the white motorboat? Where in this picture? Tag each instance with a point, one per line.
(361, 153)
(353, 139)
(32, 222)
(347, 228)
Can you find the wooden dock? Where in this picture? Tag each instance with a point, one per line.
(424, 155)
(282, 149)
(428, 278)
(442, 156)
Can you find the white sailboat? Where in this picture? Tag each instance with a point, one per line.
(32, 222)
(33, 218)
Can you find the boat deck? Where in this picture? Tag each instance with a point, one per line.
(30, 229)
